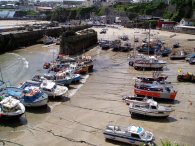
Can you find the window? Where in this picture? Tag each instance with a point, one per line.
(135, 136)
(153, 107)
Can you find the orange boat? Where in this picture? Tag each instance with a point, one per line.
(155, 90)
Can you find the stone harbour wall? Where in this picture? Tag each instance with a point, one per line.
(10, 41)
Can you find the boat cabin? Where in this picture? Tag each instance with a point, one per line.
(149, 104)
(48, 86)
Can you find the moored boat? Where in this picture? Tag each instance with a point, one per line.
(148, 107)
(181, 55)
(155, 90)
(131, 135)
(186, 77)
(60, 78)
(29, 96)
(149, 63)
(150, 80)
(48, 87)
(11, 108)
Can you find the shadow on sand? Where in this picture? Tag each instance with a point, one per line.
(154, 119)
(59, 99)
(118, 143)
(13, 123)
(39, 110)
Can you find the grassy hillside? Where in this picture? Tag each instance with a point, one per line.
(176, 10)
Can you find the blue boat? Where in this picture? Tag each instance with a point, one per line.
(75, 77)
(60, 78)
(29, 96)
(164, 52)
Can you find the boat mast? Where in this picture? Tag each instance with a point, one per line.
(1, 74)
(149, 39)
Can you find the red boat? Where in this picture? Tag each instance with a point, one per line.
(46, 65)
(155, 90)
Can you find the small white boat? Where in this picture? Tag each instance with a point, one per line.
(11, 108)
(149, 63)
(148, 107)
(131, 135)
(52, 89)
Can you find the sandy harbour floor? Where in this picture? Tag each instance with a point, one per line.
(81, 120)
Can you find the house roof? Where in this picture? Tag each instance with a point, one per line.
(189, 20)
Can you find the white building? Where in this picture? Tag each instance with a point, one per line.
(187, 22)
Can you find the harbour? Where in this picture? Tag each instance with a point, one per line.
(97, 101)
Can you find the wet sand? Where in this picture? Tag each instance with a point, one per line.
(81, 120)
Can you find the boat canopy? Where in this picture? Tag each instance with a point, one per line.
(134, 129)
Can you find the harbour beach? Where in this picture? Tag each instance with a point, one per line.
(97, 101)
(21, 22)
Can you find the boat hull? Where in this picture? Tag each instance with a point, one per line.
(5, 116)
(123, 139)
(155, 94)
(148, 66)
(38, 103)
(76, 78)
(177, 57)
(160, 114)
(64, 82)
(13, 115)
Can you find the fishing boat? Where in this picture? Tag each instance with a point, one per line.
(131, 135)
(29, 96)
(125, 47)
(192, 60)
(48, 87)
(150, 80)
(150, 62)
(116, 44)
(176, 45)
(181, 55)
(11, 108)
(75, 77)
(60, 78)
(148, 107)
(163, 52)
(78, 69)
(185, 77)
(124, 37)
(87, 61)
(189, 56)
(104, 44)
(155, 90)
(144, 49)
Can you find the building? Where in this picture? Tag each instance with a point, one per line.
(123, 1)
(187, 22)
(44, 9)
(73, 2)
(165, 24)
